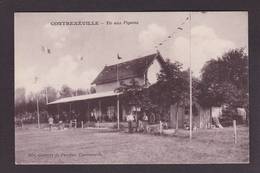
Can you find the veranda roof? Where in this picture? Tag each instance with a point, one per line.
(84, 97)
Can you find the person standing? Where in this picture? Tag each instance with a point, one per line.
(50, 120)
(145, 121)
(92, 117)
(130, 119)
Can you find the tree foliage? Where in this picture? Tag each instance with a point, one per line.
(52, 93)
(136, 95)
(225, 80)
(81, 91)
(171, 87)
(66, 91)
(92, 90)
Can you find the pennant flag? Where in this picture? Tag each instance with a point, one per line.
(180, 28)
(43, 48)
(35, 79)
(118, 57)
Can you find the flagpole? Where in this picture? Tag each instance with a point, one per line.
(37, 105)
(117, 95)
(190, 79)
(44, 49)
(46, 94)
(38, 114)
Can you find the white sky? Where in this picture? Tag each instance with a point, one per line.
(212, 34)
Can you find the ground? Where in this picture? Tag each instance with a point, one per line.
(89, 146)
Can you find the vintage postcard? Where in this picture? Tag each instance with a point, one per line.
(131, 88)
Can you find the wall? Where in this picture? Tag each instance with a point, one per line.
(199, 121)
(152, 72)
(173, 116)
(204, 117)
(113, 85)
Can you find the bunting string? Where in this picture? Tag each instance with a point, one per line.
(172, 35)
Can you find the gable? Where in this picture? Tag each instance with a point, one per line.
(152, 71)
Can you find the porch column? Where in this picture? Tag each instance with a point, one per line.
(88, 112)
(117, 111)
(99, 105)
(200, 125)
(58, 110)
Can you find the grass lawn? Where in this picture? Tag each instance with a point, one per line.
(86, 146)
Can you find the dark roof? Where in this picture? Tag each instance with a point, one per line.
(128, 69)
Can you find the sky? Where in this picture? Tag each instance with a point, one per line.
(79, 52)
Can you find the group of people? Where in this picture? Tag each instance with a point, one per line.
(141, 124)
(61, 119)
(95, 118)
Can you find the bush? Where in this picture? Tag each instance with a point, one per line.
(228, 115)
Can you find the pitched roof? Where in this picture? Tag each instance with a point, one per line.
(128, 69)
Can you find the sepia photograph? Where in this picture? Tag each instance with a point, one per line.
(131, 88)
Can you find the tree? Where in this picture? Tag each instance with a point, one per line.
(31, 102)
(136, 95)
(65, 91)
(225, 80)
(92, 90)
(80, 91)
(20, 100)
(52, 93)
(46, 95)
(172, 87)
(131, 92)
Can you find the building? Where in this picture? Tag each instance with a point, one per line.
(104, 105)
(179, 117)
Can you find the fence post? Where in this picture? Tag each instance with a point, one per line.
(160, 127)
(235, 131)
(82, 124)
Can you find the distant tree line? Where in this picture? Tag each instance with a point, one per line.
(25, 103)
